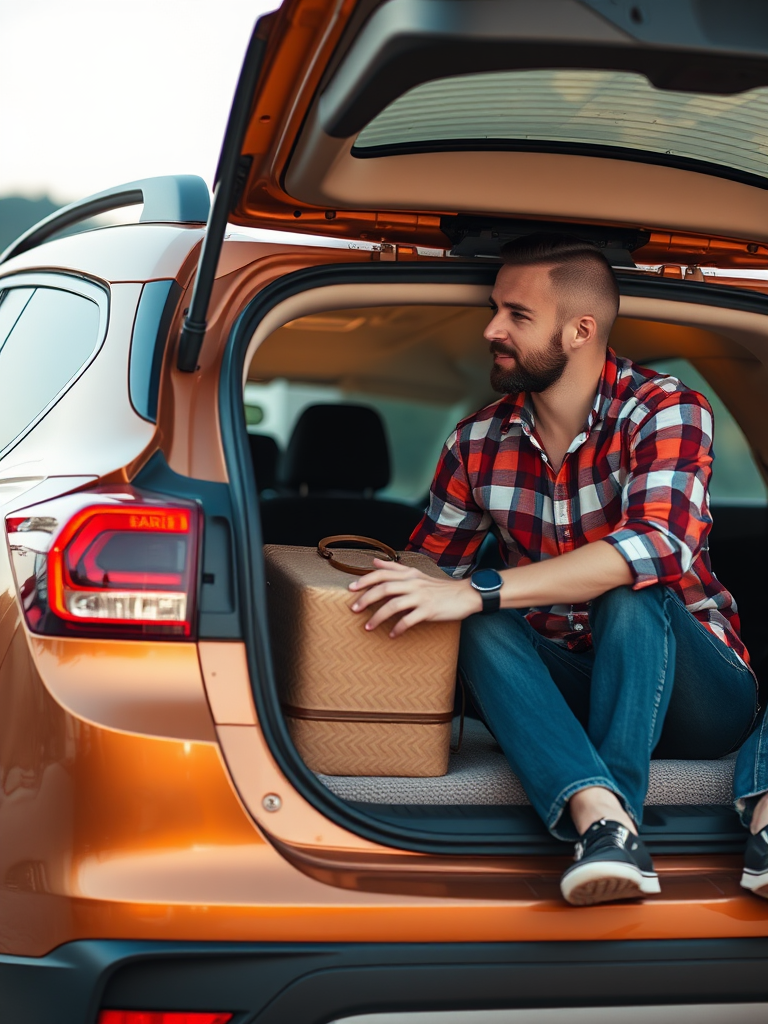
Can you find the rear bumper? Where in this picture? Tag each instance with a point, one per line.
(308, 984)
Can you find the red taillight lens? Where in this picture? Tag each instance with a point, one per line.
(161, 1017)
(112, 565)
(125, 566)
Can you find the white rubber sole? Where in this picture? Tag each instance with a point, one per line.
(756, 882)
(605, 881)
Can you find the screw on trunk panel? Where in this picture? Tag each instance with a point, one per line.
(271, 802)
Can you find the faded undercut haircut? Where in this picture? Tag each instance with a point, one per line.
(581, 275)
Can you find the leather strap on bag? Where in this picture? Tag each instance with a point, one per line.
(456, 748)
(323, 549)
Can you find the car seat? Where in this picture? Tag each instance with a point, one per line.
(264, 455)
(337, 458)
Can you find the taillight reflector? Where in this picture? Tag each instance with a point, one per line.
(161, 1017)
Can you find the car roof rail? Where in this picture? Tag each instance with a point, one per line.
(168, 199)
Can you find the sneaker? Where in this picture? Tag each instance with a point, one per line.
(612, 863)
(755, 875)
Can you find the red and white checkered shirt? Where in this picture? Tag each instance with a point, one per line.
(637, 477)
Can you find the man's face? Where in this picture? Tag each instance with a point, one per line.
(525, 334)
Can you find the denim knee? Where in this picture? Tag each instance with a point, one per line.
(491, 640)
(626, 602)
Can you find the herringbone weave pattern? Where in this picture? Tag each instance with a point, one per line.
(372, 748)
(325, 660)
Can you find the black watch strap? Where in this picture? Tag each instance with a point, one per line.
(491, 600)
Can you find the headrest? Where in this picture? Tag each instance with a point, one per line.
(338, 448)
(264, 454)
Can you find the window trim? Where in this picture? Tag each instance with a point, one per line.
(77, 285)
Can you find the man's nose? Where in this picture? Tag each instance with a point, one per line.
(494, 331)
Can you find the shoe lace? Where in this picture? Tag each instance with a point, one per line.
(609, 836)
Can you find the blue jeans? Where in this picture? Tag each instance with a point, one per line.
(655, 681)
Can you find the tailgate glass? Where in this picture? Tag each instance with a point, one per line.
(576, 109)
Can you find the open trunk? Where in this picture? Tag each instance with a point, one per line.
(434, 130)
(405, 340)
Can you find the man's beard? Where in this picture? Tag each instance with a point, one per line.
(537, 373)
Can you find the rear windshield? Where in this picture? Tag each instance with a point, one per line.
(577, 109)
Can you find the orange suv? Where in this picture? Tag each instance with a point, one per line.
(175, 395)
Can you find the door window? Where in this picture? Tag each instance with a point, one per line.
(46, 336)
(11, 307)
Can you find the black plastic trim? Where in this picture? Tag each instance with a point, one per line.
(247, 526)
(218, 598)
(154, 315)
(312, 983)
(474, 237)
(642, 156)
(700, 292)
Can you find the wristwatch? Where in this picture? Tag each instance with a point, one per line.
(488, 584)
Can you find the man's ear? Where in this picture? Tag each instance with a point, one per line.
(583, 332)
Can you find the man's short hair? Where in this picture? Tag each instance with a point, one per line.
(582, 276)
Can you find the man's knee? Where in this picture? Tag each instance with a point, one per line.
(626, 604)
(504, 630)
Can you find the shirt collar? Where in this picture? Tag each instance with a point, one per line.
(606, 389)
(520, 406)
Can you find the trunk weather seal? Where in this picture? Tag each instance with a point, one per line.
(247, 526)
(602, 152)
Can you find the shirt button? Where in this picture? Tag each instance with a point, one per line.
(567, 533)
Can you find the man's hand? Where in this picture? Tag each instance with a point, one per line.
(414, 596)
(572, 578)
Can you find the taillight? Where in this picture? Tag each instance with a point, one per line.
(117, 564)
(161, 1017)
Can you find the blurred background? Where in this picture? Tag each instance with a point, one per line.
(94, 93)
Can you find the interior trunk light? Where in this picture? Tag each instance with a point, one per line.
(121, 564)
(161, 1017)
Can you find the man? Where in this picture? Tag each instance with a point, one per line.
(613, 637)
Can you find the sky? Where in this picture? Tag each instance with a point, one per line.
(94, 93)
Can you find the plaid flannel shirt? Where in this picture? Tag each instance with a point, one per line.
(637, 477)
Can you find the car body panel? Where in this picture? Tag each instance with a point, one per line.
(145, 252)
(143, 687)
(143, 824)
(133, 836)
(141, 796)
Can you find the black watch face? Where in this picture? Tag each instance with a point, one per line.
(486, 579)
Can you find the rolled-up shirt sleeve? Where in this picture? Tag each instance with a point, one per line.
(453, 525)
(665, 507)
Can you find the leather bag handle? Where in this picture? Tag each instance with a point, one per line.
(323, 549)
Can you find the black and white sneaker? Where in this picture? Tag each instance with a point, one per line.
(612, 863)
(755, 874)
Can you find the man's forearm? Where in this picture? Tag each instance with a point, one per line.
(573, 578)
